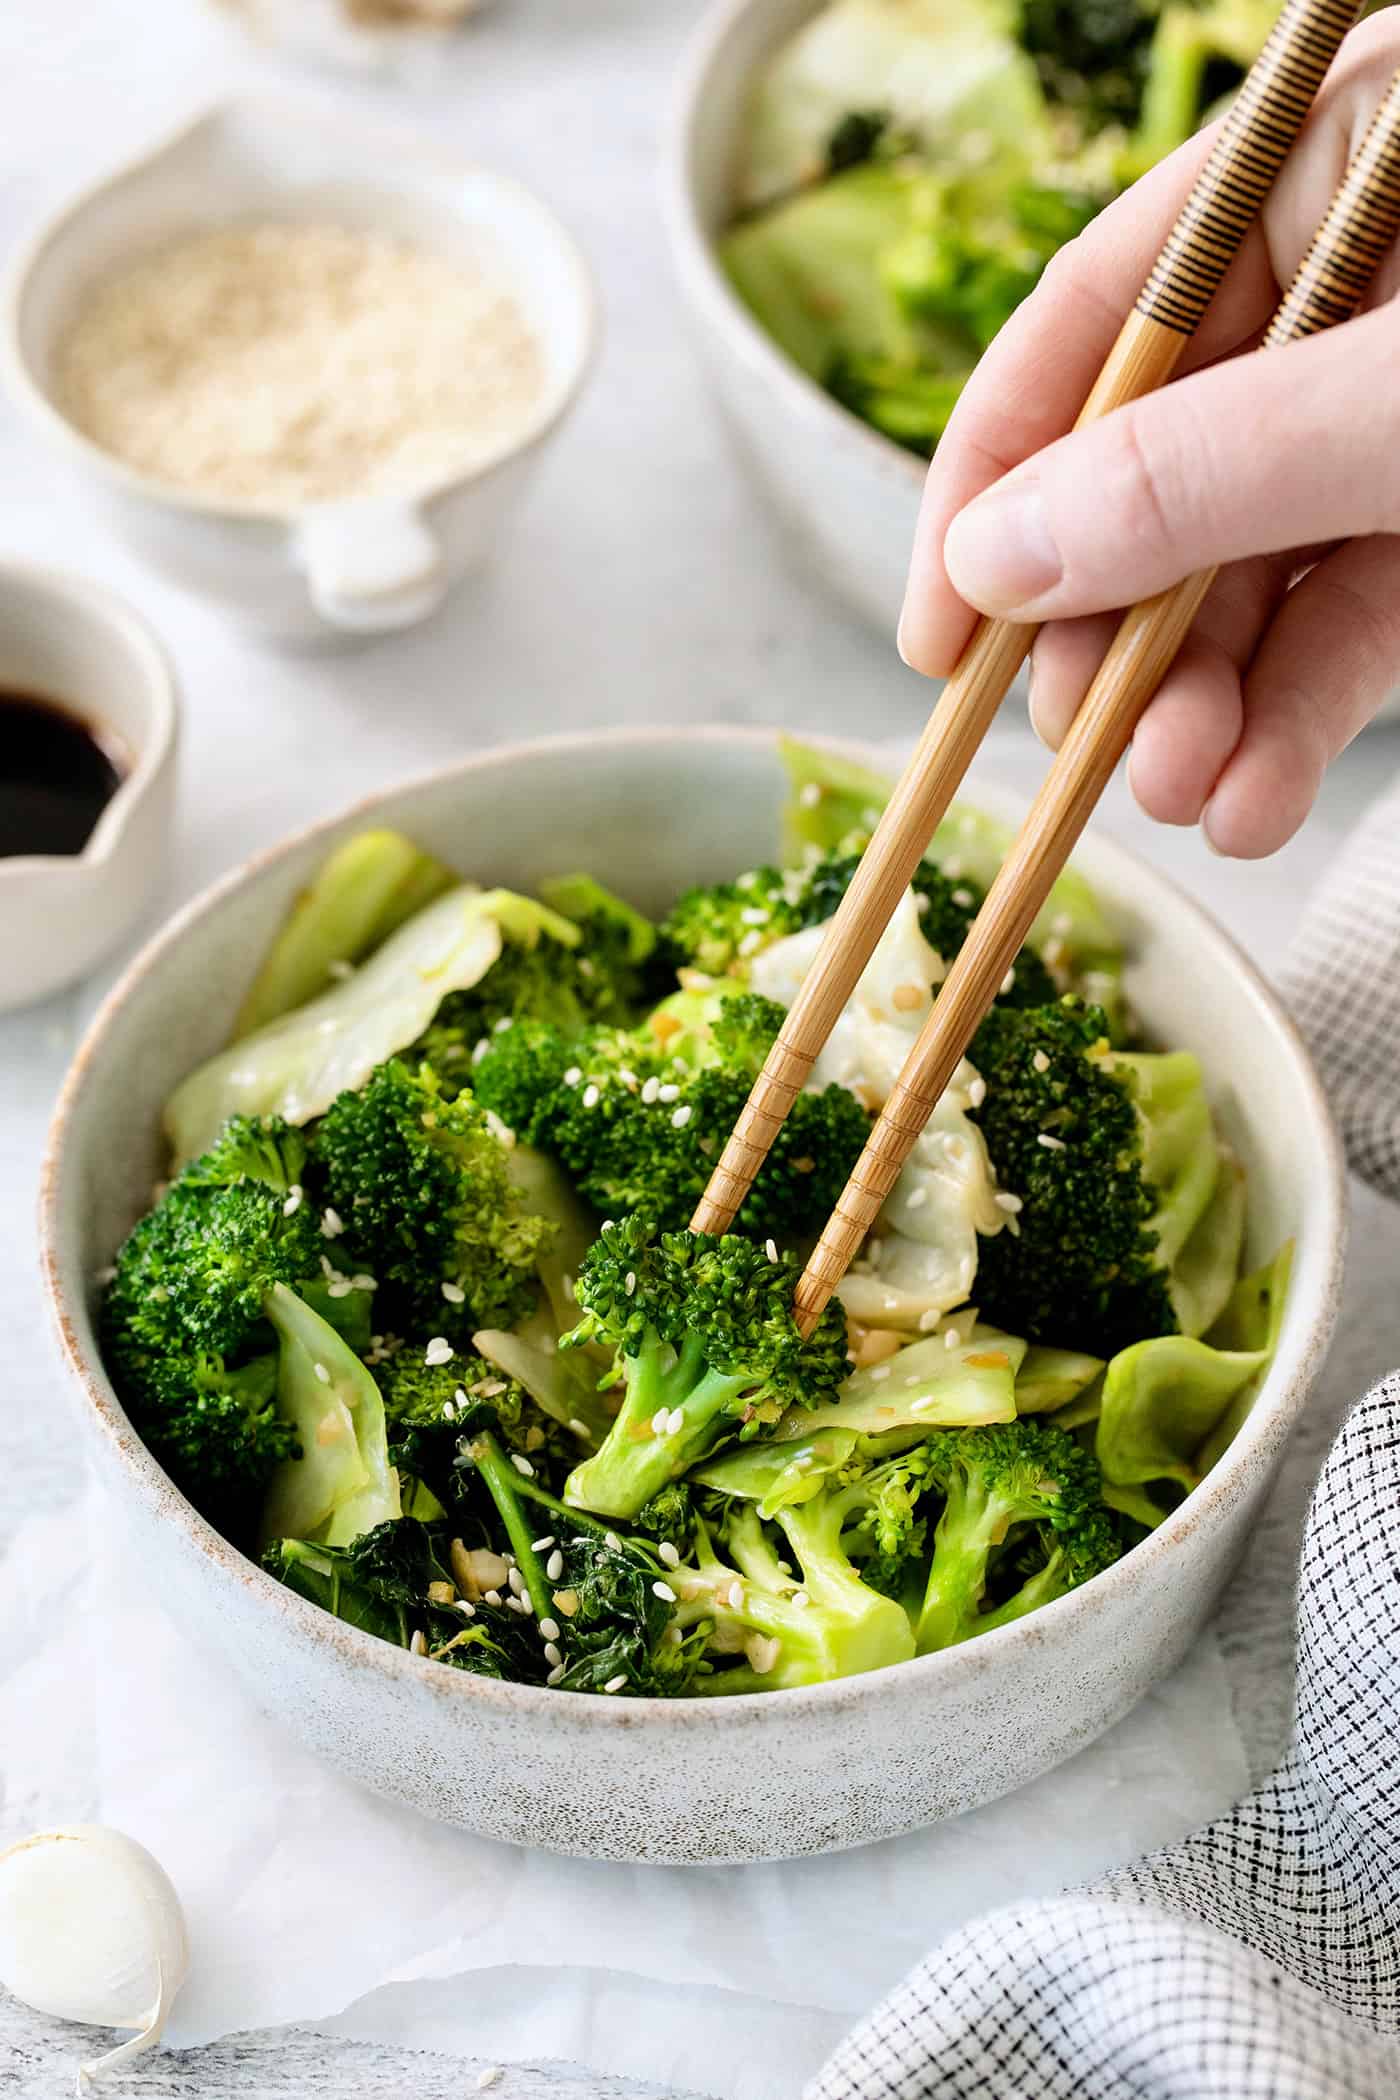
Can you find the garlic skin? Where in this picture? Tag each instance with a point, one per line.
(91, 1930)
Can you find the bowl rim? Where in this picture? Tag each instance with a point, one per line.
(400, 145)
(693, 249)
(150, 760)
(1274, 1410)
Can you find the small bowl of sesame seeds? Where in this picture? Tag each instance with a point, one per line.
(309, 395)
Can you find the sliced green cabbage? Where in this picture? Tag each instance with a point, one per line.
(1172, 1404)
(563, 1384)
(1204, 1272)
(362, 892)
(1051, 1379)
(925, 1386)
(342, 1484)
(1180, 1151)
(937, 68)
(297, 1065)
(830, 799)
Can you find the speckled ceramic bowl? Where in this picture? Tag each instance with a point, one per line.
(748, 1778)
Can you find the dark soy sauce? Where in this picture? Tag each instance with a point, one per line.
(57, 775)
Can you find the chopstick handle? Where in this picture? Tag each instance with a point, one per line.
(1360, 225)
(1258, 130)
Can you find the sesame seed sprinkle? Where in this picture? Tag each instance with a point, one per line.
(681, 1117)
(1051, 1144)
(659, 1421)
(615, 1684)
(522, 1465)
(517, 1582)
(590, 1096)
(675, 1421)
(292, 1202)
(580, 1429)
(418, 1645)
(543, 1545)
(612, 1541)
(668, 1093)
(801, 1599)
(1004, 1200)
(664, 1591)
(439, 1351)
(754, 915)
(480, 1048)
(503, 1024)
(650, 1089)
(332, 1224)
(554, 1566)
(922, 1405)
(881, 1371)
(770, 1248)
(810, 795)
(929, 1320)
(668, 1555)
(552, 1654)
(629, 1282)
(487, 2078)
(322, 1373)
(491, 1596)
(951, 1337)
(1040, 1061)
(549, 1629)
(556, 1674)
(453, 1293)
(573, 1075)
(1007, 982)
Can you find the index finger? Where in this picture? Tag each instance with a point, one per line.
(1032, 382)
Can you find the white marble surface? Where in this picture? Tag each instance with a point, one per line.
(643, 583)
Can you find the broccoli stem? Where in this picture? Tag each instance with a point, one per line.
(504, 1485)
(970, 1526)
(637, 1458)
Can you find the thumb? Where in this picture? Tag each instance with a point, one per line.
(1265, 452)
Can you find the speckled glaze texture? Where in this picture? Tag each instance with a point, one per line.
(727, 1780)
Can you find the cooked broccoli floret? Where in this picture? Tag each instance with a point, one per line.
(420, 1183)
(182, 1321)
(706, 1346)
(1113, 1157)
(605, 981)
(639, 1132)
(720, 929)
(993, 1480)
(792, 1626)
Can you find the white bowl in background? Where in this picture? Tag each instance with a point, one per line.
(779, 1773)
(63, 640)
(359, 567)
(848, 495)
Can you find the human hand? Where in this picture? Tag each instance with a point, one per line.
(1282, 469)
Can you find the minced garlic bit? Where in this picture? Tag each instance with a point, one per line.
(282, 364)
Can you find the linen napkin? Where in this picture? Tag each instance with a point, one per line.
(1259, 1959)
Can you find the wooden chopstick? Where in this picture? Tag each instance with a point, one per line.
(1262, 124)
(1363, 220)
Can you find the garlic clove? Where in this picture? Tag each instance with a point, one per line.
(91, 1930)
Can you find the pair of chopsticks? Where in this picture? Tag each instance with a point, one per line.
(1363, 219)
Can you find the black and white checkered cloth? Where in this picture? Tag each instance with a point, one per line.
(1259, 1960)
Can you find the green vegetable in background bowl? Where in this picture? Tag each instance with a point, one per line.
(911, 166)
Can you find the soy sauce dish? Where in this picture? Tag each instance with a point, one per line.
(475, 1572)
(88, 729)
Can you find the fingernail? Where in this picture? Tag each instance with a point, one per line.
(999, 552)
(1218, 851)
(1031, 708)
